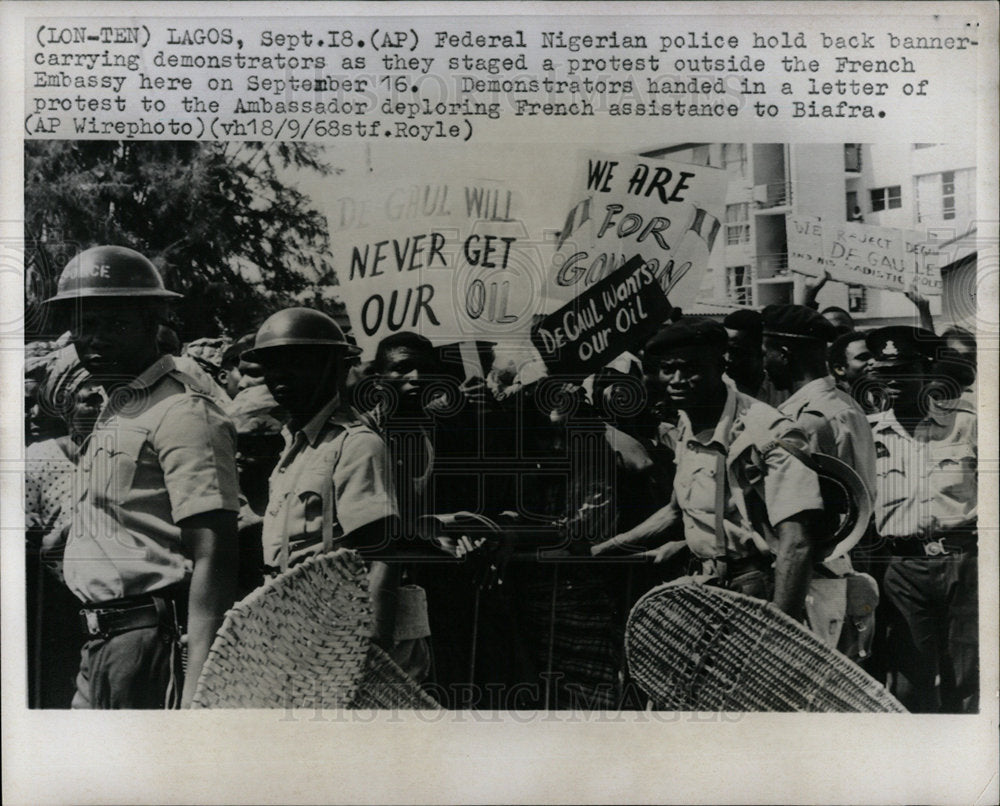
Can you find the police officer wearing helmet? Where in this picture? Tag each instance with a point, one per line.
(926, 511)
(153, 548)
(331, 487)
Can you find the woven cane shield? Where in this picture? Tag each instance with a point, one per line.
(694, 647)
(303, 641)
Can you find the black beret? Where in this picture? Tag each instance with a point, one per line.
(798, 322)
(901, 343)
(744, 319)
(688, 331)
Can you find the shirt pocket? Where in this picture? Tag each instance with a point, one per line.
(122, 449)
(953, 470)
(311, 491)
(697, 491)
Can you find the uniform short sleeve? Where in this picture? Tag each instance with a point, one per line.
(789, 486)
(362, 483)
(818, 432)
(196, 446)
(856, 445)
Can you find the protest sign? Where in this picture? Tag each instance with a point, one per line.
(926, 261)
(863, 254)
(614, 315)
(804, 234)
(450, 260)
(668, 213)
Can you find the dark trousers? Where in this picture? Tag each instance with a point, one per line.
(136, 669)
(935, 644)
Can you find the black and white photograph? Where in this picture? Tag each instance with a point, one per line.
(496, 382)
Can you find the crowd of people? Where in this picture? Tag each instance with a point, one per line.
(508, 518)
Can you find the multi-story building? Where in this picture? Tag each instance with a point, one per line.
(922, 186)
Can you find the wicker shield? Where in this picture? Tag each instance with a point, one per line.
(694, 647)
(302, 641)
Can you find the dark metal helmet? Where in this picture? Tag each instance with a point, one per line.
(299, 327)
(110, 271)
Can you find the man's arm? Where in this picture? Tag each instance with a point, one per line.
(923, 306)
(383, 590)
(793, 564)
(811, 290)
(642, 535)
(375, 540)
(211, 540)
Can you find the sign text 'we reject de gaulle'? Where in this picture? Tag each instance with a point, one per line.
(448, 259)
(864, 255)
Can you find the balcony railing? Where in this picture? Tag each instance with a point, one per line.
(775, 265)
(775, 194)
(737, 233)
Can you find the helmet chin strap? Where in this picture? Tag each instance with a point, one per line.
(328, 377)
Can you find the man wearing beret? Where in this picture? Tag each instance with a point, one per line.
(747, 504)
(926, 460)
(795, 341)
(744, 359)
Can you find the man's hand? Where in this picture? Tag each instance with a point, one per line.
(812, 289)
(487, 559)
(666, 552)
(474, 390)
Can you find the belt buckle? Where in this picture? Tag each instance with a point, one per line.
(935, 548)
(93, 622)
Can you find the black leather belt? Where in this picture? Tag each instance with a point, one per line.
(107, 619)
(958, 543)
(734, 566)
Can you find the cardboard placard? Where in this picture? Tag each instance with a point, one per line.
(616, 314)
(668, 213)
(863, 254)
(450, 260)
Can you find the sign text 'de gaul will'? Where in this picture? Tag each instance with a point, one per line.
(449, 260)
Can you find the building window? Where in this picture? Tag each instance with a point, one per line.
(857, 298)
(700, 155)
(737, 223)
(888, 198)
(734, 157)
(739, 286)
(948, 195)
(852, 157)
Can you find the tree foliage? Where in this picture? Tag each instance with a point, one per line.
(221, 221)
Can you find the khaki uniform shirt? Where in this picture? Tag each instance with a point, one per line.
(927, 482)
(161, 452)
(332, 479)
(745, 429)
(835, 425)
